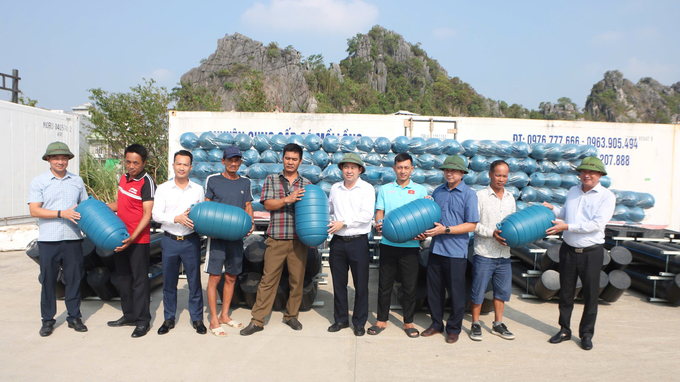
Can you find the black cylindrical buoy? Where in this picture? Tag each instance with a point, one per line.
(309, 296)
(99, 280)
(620, 258)
(619, 281)
(32, 251)
(249, 288)
(155, 275)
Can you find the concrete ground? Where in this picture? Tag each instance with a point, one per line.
(634, 340)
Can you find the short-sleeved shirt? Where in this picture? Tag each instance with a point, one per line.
(282, 221)
(492, 210)
(392, 196)
(57, 194)
(459, 205)
(132, 193)
(234, 192)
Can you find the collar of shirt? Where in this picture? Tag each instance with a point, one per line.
(173, 201)
(51, 175)
(493, 193)
(598, 188)
(139, 177)
(459, 186)
(297, 179)
(360, 184)
(408, 186)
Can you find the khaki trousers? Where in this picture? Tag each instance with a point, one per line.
(294, 254)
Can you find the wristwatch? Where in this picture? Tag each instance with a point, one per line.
(448, 230)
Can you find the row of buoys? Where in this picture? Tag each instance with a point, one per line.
(613, 279)
(100, 276)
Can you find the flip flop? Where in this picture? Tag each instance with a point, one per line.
(219, 332)
(412, 332)
(234, 324)
(375, 330)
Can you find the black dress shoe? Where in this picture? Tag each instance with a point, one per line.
(336, 327)
(294, 323)
(199, 326)
(77, 325)
(47, 329)
(140, 331)
(429, 332)
(586, 343)
(167, 325)
(559, 337)
(451, 338)
(359, 331)
(120, 322)
(250, 329)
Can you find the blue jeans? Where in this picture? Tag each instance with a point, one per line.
(498, 270)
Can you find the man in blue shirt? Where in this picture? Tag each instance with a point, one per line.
(53, 197)
(448, 251)
(397, 256)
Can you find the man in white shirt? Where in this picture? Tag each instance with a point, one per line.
(180, 242)
(585, 214)
(352, 202)
(492, 254)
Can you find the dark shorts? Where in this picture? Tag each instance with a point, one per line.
(223, 255)
(498, 270)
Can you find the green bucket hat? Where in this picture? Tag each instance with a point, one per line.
(593, 164)
(352, 158)
(57, 148)
(454, 162)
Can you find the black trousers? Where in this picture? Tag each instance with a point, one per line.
(132, 270)
(354, 256)
(69, 256)
(446, 274)
(587, 266)
(405, 259)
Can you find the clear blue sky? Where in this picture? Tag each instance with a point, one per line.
(520, 52)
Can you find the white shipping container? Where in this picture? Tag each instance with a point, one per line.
(27, 131)
(638, 157)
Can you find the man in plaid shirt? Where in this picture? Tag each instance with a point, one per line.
(279, 194)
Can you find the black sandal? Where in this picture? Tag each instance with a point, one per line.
(375, 330)
(412, 332)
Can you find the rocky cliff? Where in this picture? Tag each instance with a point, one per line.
(237, 56)
(617, 99)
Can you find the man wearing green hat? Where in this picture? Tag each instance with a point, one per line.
(585, 214)
(447, 262)
(52, 198)
(351, 203)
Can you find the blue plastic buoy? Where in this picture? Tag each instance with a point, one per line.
(478, 163)
(365, 144)
(606, 181)
(451, 147)
(433, 146)
(257, 171)
(337, 157)
(372, 174)
(215, 155)
(559, 195)
(629, 198)
(439, 160)
(543, 194)
(528, 165)
(200, 155)
(569, 181)
(325, 186)
(320, 158)
(520, 149)
(202, 169)
(278, 142)
(207, 140)
(269, 156)
(243, 141)
(312, 217)
(101, 225)
(588, 151)
(513, 164)
(528, 194)
(526, 226)
(220, 220)
(310, 172)
(410, 220)
(387, 175)
(514, 191)
(417, 146)
(553, 151)
(562, 166)
(487, 148)
(307, 158)
(552, 180)
(503, 149)
(373, 159)
(621, 212)
(435, 177)
(348, 144)
(546, 166)
(537, 179)
(297, 139)
(418, 176)
(388, 160)
(636, 214)
(400, 144)
(470, 148)
(537, 151)
(261, 143)
(250, 157)
(189, 141)
(645, 200)
(331, 144)
(483, 178)
(426, 161)
(224, 140)
(382, 145)
(331, 174)
(520, 205)
(312, 142)
(571, 151)
(518, 179)
(470, 178)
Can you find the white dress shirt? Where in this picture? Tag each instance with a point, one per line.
(587, 215)
(492, 210)
(353, 206)
(170, 201)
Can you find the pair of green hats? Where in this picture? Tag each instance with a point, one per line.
(454, 162)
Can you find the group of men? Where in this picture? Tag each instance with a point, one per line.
(354, 208)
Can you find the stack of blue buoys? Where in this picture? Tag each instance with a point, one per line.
(526, 226)
(311, 216)
(410, 220)
(101, 225)
(220, 220)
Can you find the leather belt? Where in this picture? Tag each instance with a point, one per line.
(351, 238)
(178, 238)
(584, 249)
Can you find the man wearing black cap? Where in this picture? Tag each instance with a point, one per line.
(52, 198)
(226, 255)
(585, 214)
(351, 202)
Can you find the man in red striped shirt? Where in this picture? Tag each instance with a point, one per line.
(133, 205)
